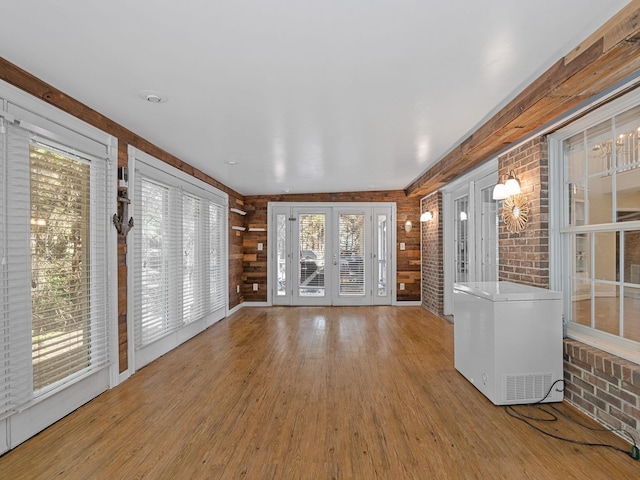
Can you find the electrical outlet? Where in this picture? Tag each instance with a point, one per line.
(255, 287)
(402, 246)
(259, 247)
(237, 288)
(402, 286)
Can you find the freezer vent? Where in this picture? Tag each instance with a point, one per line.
(527, 388)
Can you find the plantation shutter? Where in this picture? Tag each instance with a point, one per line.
(15, 334)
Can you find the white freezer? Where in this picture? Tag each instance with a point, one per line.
(508, 340)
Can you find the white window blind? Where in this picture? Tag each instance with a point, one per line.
(352, 238)
(156, 249)
(15, 336)
(54, 268)
(217, 256)
(180, 256)
(193, 299)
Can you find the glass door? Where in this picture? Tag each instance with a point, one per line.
(462, 253)
(486, 231)
(470, 231)
(326, 255)
(313, 256)
(381, 261)
(353, 270)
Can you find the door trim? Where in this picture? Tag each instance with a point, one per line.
(448, 194)
(334, 206)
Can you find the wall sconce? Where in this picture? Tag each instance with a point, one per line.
(123, 209)
(515, 211)
(426, 216)
(508, 188)
(407, 226)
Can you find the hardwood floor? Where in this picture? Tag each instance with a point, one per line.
(310, 393)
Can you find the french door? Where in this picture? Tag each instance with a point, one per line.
(470, 233)
(331, 255)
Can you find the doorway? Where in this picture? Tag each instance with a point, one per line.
(470, 231)
(331, 254)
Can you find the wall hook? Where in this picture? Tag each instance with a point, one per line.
(119, 219)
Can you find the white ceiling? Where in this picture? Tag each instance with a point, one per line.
(307, 96)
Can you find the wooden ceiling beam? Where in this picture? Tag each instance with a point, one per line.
(606, 57)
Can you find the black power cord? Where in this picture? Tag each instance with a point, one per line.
(551, 417)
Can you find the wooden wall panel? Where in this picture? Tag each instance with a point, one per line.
(408, 261)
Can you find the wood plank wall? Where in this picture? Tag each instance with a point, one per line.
(23, 80)
(408, 261)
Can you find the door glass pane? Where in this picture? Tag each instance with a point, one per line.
(351, 265)
(489, 236)
(461, 239)
(312, 250)
(281, 247)
(382, 255)
(60, 240)
(190, 258)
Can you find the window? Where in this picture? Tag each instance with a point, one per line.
(64, 342)
(56, 280)
(600, 224)
(180, 258)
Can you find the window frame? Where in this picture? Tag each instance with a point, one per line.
(57, 128)
(182, 184)
(560, 231)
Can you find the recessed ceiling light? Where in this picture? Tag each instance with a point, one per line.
(153, 97)
(231, 162)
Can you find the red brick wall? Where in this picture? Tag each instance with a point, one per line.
(603, 385)
(432, 256)
(524, 256)
(407, 261)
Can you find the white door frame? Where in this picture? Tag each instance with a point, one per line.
(449, 193)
